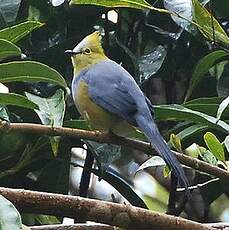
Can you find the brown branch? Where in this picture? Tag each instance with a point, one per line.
(73, 227)
(125, 216)
(112, 139)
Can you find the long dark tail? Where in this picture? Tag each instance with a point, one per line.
(151, 131)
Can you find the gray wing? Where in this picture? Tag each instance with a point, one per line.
(112, 88)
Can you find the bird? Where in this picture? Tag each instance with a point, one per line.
(108, 97)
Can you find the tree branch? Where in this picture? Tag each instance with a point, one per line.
(125, 216)
(112, 139)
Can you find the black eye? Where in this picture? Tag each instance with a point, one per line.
(87, 51)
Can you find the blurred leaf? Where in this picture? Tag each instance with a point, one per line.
(223, 105)
(9, 9)
(226, 143)
(212, 191)
(180, 7)
(214, 146)
(154, 161)
(3, 114)
(207, 156)
(35, 219)
(191, 131)
(51, 112)
(105, 154)
(77, 124)
(208, 25)
(178, 112)
(30, 71)
(9, 216)
(176, 142)
(166, 171)
(8, 49)
(223, 83)
(193, 150)
(57, 2)
(16, 99)
(202, 68)
(150, 63)
(137, 4)
(122, 186)
(16, 33)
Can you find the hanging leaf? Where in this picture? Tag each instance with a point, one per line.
(51, 112)
(8, 49)
(16, 99)
(16, 33)
(30, 71)
(180, 7)
(203, 66)
(208, 25)
(214, 146)
(193, 150)
(137, 4)
(176, 142)
(150, 63)
(223, 105)
(9, 216)
(177, 112)
(154, 161)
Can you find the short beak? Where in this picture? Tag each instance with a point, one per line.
(71, 52)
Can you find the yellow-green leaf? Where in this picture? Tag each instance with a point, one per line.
(214, 146)
(208, 25)
(176, 142)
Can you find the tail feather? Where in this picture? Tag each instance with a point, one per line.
(151, 131)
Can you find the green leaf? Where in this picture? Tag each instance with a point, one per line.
(3, 114)
(193, 150)
(137, 4)
(154, 161)
(176, 142)
(203, 66)
(223, 105)
(9, 216)
(8, 49)
(121, 186)
(16, 99)
(178, 112)
(30, 71)
(150, 63)
(17, 32)
(191, 131)
(207, 156)
(51, 112)
(226, 143)
(77, 124)
(214, 146)
(208, 25)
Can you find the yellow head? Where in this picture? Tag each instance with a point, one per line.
(88, 52)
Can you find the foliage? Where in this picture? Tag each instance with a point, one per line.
(181, 61)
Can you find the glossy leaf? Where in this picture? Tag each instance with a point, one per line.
(202, 68)
(3, 114)
(176, 142)
(30, 71)
(177, 112)
(150, 63)
(193, 150)
(137, 4)
(9, 9)
(208, 25)
(16, 33)
(17, 100)
(8, 49)
(214, 146)
(114, 179)
(9, 216)
(207, 156)
(226, 143)
(51, 112)
(222, 107)
(154, 161)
